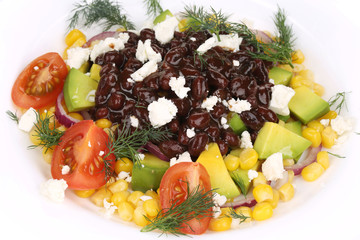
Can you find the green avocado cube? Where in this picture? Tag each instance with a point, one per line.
(236, 124)
(280, 76)
(295, 127)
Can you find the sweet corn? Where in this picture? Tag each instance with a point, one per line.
(139, 217)
(98, 197)
(119, 197)
(323, 158)
(262, 211)
(315, 124)
(72, 36)
(298, 67)
(299, 81)
(287, 192)
(288, 162)
(291, 176)
(34, 137)
(123, 164)
(47, 154)
(231, 162)
(151, 207)
(260, 179)
(312, 172)
(318, 89)
(77, 116)
(134, 197)
(84, 193)
(313, 136)
(307, 74)
(263, 193)
(286, 67)
(276, 196)
(246, 211)
(183, 24)
(248, 158)
(125, 211)
(103, 123)
(297, 57)
(153, 194)
(118, 186)
(221, 223)
(328, 137)
(330, 115)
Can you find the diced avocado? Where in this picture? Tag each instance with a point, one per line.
(273, 138)
(220, 178)
(236, 124)
(241, 178)
(95, 72)
(306, 106)
(147, 173)
(280, 76)
(295, 127)
(283, 118)
(77, 89)
(162, 16)
(85, 67)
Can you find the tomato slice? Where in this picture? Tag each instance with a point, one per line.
(39, 84)
(82, 148)
(174, 187)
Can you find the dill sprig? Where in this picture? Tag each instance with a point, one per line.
(46, 132)
(108, 13)
(336, 155)
(197, 205)
(153, 7)
(198, 55)
(13, 116)
(235, 215)
(339, 99)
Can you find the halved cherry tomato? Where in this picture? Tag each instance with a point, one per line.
(39, 84)
(83, 147)
(174, 189)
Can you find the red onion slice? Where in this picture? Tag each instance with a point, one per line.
(241, 201)
(100, 36)
(61, 114)
(262, 36)
(156, 151)
(307, 158)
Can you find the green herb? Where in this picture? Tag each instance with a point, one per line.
(153, 7)
(198, 55)
(240, 183)
(339, 99)
(108, 13)
(336, 155)
(197, 205)
(236, 215)
(13, 116)
(46, 132)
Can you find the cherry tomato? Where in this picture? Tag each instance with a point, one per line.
(83, 147)
(174, 189)
(39, 84)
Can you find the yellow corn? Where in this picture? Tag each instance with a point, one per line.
(47, 154)
(125, 211)
(288, 162)
(260, 179)
(151, 207)
(72, 36)
(276, 196)
(286, 191)
(248, 158)
(323, 158)
(121, 29)
(222, 223)
(298, 57)
(77, 116)
(313, 136)
(139, 217)
(328, 137)
(286, 67)
(231, 162)
(123, 164)
(134, 197)
(95, 72)
(315, 124)
(246, 211)
(330, 115)
(98, 197)
(118, 186)
(298, 81)
(153, 194)
(318, 89)
(103, 123)
(84, 193)
(183, 25)
(298, 67)
(263, 193)
(119, 197)
(262, 211)
(307, 74)
(312, 172)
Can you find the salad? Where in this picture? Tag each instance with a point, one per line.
(193, 122)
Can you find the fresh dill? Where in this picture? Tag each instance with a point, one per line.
(197, 205)
(240, 183)
(235, 215)
(336, 155)
(339, 99)
(198, 55)
(13, 116)
(107, 13)
(46, 132)
(153, 7)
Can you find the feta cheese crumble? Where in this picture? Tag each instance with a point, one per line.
(109, 44)
(27, 120)
(325, 122)
(223, 122)
(178, 86)
(342, 125)
(238, 106)
(252, 174)
(77, 56)
(65, 170)
(146, 69)
(164, 31)
(145, 52)
(280, 98)
(109, 208)
(161, 112)
(134, 122)
(190, 133)
(124, 176)
(54, 189)
(209, 103)
(273, 167)
(145, 197)
(229, 42)
(246, 140)
(184, 157)
(236, 63)
(218, 200)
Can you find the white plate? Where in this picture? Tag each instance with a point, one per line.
(328, 34)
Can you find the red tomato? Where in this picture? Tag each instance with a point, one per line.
(82, 148)
(39, 84)
(174, 187)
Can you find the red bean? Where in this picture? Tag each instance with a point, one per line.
(197, 144)
(199, 119)
(199, 88)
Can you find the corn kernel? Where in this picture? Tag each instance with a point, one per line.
(262, 211)
(123, 164)
(286, 67)
(139, 217)
(276, 196)
(221, 223)
(248, 158)
(47, 154)
(183, 25)
(287, 192)
(315, 124)
(312, 172)
(72, 36)
(297, 57)
(298, 68)
(134, 197)
(121, 29)
(231, 162)
(330, 115)
(307, 74)
(262, 193)
(153, 194)
(118, 186)
(313, 136)
(103, 123)
(125, 211)
(84, 193)
(119, 197)
(151, 207)
(34, 137)
(98, 197)
(328, 137)
(318, 89)
(77, 116)
(323, 158)
(288, 162)
(245, 211)
(260, 179)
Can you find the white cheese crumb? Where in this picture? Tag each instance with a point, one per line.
(124, 176)
(236, 63)
(225, 103)
(109, 208)
(109, 44)
(246, 140)
(91, 96)
(65, 170)
(145, 52)
(252, 174)
(272, 81)
(140, 156)
(209, 103)
(325, 122)
(178, 86)
(223, 122)
(54, 189)
(193, 39)
(238, 105)
(273, 167)
(280, 98)
(342, 125)
(27, 120)
(161, 112)
(145, 197)
(77, 56)
(190, 133)
(184, 157)
(218, 200)
(164, 31)
(229, 42)
(144, 71)
(134, 121)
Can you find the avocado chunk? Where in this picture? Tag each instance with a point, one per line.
(280, 76)
(160, 18)
(295, 127)
(241, 178)
(147, 173)
(306, 106)
(273, 138)
(283, 118)
(78, 91)
(220, 178)
(236, 124)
